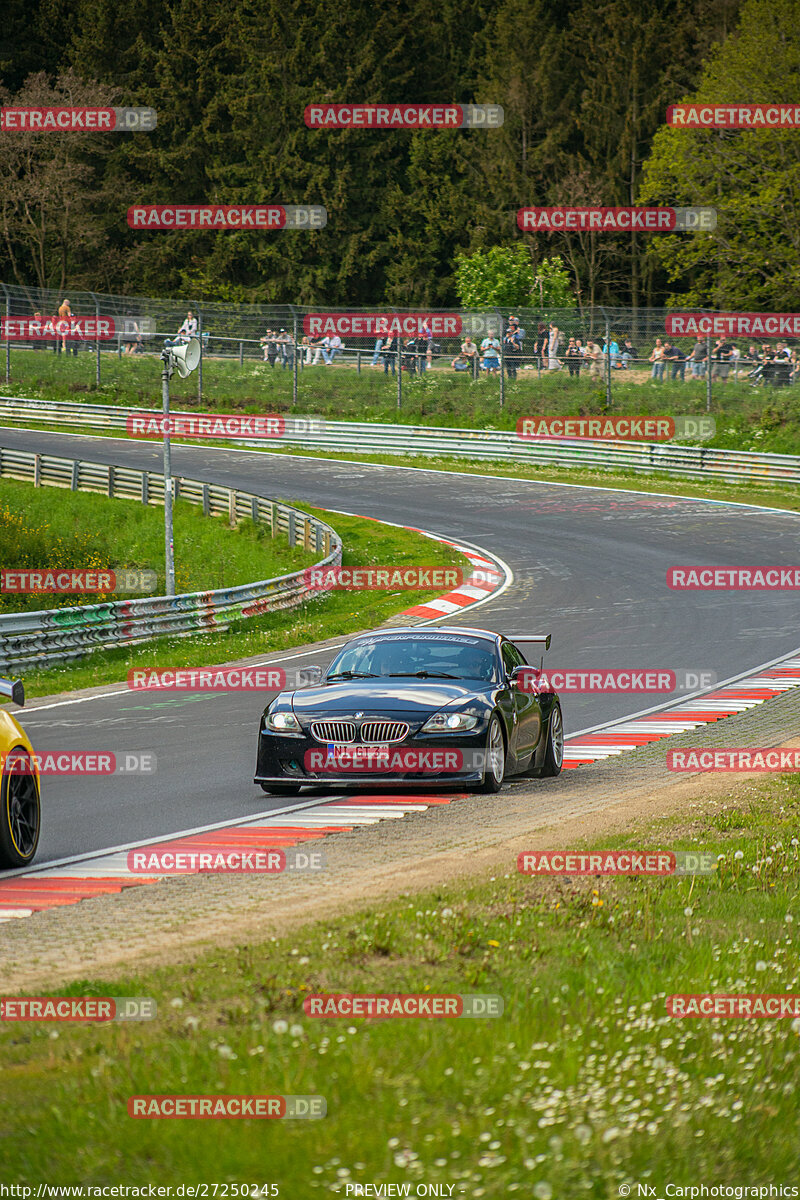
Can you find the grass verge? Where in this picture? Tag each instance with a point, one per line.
(748, 418)
(584, 1086)
(366, 542)
(56, 528)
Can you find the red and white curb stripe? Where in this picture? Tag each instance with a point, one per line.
(487, 578)
(58, 886)
(735, 697)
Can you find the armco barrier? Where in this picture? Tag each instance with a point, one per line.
(499, 446)
(30, 639)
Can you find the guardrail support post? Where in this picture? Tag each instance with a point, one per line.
(75, 480)
(8, 339)
(145, 487)
(254, 509)
(708, 372)
(206, 501)
(232, 507)
(292, 528)
(37, 470)
(110, 482)
(202, 347)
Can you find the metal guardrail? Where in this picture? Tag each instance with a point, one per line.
(494, 445)
(30, 639)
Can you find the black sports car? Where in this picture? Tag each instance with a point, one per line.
(441, 705)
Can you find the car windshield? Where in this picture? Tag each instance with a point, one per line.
(422, 657)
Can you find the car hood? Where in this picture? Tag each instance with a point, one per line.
(383, 696)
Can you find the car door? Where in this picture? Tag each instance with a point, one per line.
(526, 705)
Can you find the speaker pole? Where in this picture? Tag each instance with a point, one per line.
(169, 544)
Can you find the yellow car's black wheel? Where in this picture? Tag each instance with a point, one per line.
(20, 810)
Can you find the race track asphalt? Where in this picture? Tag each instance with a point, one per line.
(589, 567)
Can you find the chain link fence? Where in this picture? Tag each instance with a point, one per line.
(297, 346)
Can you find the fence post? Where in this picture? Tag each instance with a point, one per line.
(8, 339)
(97, 343)
(399, 369)
(241, 354)
(502, 359)
(609, 400)
(708, 372)
(358, 361)
(200, 364)
(295, 356)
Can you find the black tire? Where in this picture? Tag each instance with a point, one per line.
(495, 768)
(554, 754)
(20, 811)
(281, 789)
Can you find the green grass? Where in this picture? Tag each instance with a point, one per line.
(747, 418)
(583, 1085)
(49, 527)
(340, 612)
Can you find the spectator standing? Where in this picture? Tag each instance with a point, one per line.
(425, 343)
(676, 357)
(381, 329)
(287, 349)
(510, 353)
(613, 350)
(540, 345)
(490, 347)
(37, 343)
(573, 356)
(67, 344)
(552, 348)
(593, 355)
(721, 359)
(697, 357)
(389, 354)
(736, 356)
(657, 359)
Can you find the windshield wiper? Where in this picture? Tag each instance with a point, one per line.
(352, 675)
(421, 675)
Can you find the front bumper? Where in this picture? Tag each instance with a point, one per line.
(283, 760)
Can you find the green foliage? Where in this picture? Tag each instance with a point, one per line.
(505, 277)
(751, 177)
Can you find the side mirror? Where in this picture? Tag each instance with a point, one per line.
(310, 676)
(14, 689)
(524, 678)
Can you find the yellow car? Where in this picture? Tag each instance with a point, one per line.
(20, 803)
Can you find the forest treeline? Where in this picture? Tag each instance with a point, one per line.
(584, 87)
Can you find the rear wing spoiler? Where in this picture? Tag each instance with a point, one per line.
(542, 639)
(538, 639)
(14, 689)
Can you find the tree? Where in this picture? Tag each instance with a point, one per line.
(54, 202)
(751, 260)
(505, 277)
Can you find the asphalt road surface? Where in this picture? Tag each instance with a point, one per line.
(589, 567)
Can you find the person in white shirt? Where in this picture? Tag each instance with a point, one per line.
(188, 329)
(552, 348)
(335, 346)
(321, 350)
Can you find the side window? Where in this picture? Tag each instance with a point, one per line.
(511, 657)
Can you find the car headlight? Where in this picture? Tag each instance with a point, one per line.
(283, 722)
(444, 722)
